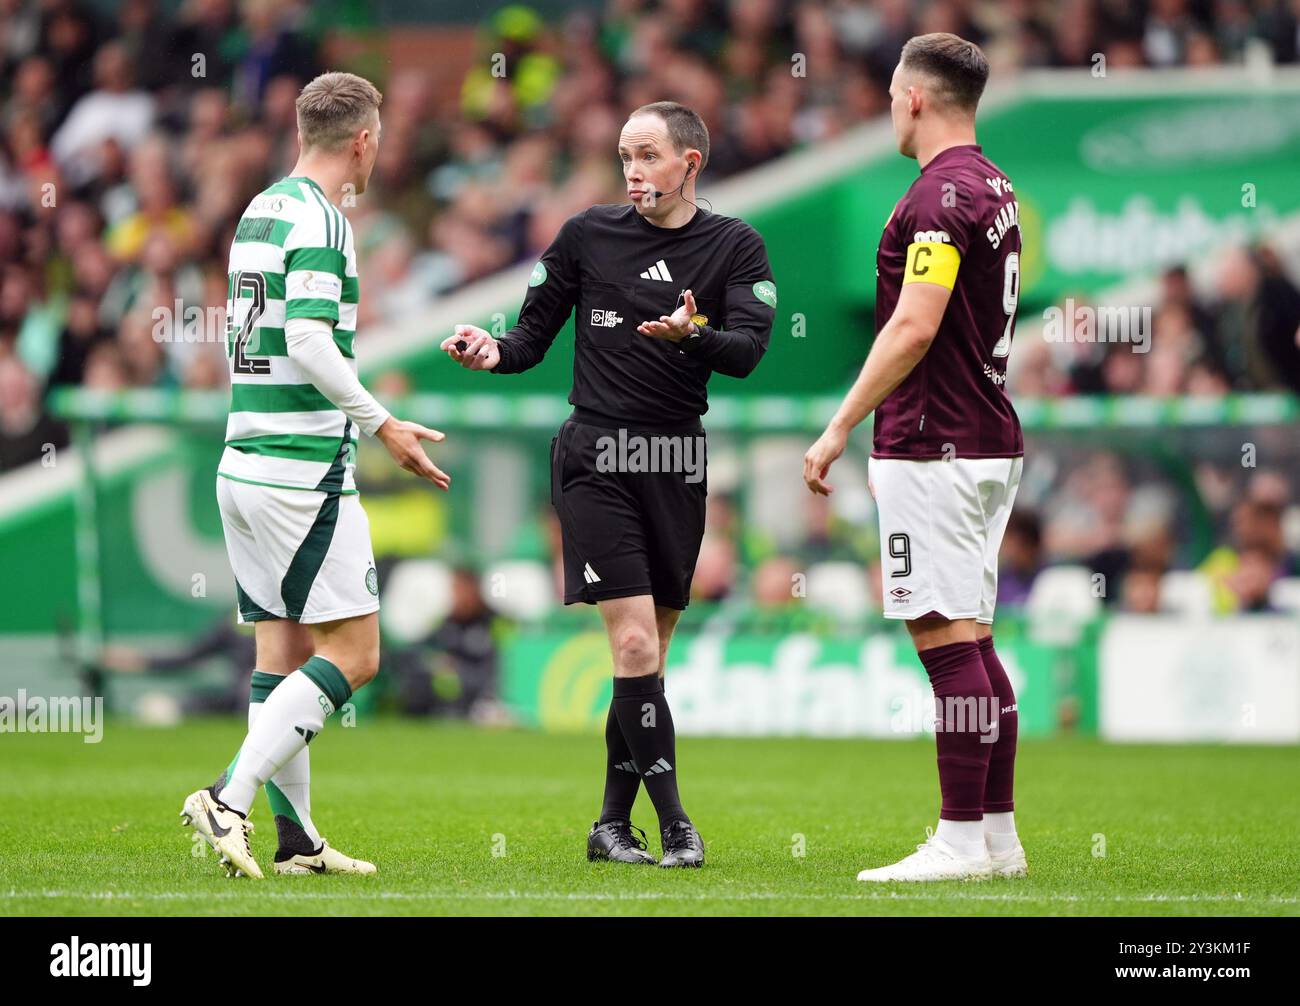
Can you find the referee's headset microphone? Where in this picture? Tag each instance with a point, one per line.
(690, 169)
(462, 345)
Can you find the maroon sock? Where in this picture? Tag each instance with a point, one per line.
(963, 701)
(1002, 762)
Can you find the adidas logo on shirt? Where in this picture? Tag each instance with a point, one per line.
(658, 271)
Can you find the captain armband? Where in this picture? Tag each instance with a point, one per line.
(932, 262)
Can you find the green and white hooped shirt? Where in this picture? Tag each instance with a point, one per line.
(293, 257)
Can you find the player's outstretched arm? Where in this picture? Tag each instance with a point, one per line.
(899, 347)
(403, 442)
(310, 343)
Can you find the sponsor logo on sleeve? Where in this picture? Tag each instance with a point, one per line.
(323, 283)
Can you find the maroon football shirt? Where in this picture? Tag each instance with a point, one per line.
(960, 214)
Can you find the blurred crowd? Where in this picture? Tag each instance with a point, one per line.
(1242, 333)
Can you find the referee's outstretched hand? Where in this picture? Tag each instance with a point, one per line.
(674, 327)
(821, 455)
(472, 347)
(403, 442)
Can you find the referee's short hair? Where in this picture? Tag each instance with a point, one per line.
(957, 66)
(685, 127)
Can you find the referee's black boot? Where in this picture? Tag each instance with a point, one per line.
(682, 845)
(615, 841)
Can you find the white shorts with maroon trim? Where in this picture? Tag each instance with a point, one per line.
(941, 526)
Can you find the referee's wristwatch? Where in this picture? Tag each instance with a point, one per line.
(693, 341)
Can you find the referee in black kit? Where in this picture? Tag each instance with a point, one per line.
(666, 294)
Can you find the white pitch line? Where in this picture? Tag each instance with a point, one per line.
(652, 896)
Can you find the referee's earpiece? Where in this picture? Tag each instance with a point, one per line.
(690, 168)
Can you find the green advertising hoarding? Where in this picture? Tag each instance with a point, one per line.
(867, 685)
(1115, 185)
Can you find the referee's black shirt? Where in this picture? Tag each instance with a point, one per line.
(619, 270)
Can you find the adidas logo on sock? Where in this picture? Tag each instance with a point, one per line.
(658, 271)
(625, 766)
(589, 574)
(659, 767)
(307, 734)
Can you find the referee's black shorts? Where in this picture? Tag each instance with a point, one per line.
(628, 532)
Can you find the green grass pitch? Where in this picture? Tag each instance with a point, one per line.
(469, 821)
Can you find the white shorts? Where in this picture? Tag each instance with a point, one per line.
(941, 526)
(297, 553)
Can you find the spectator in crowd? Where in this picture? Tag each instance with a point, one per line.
(455, 670)
(1021, 558)
(1141, 591)
(1242, 570)
(27, 432)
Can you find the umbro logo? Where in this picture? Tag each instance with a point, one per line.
(658, 271)
(659, 767)
(901, 592)
(589, 574)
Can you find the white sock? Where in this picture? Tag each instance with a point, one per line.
(967, 837)
(1000, 831)
(292, 714)
(293, 783)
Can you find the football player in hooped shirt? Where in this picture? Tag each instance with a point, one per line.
(666, 295)
(947, 449)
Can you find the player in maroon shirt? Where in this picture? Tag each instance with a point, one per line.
(947, 451)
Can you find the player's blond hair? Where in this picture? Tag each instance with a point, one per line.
(334, 107)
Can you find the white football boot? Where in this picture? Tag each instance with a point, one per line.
(327, 860)
(224, 830)
(1011, 863)
(934, 859)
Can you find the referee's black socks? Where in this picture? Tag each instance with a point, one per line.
(642, 711)
(622, 780)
